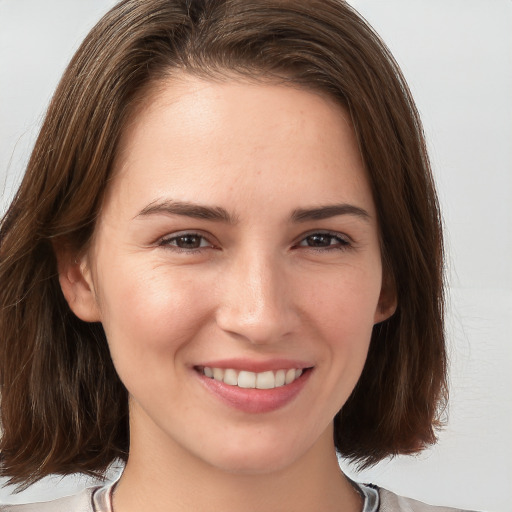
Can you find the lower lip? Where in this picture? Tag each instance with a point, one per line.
(255, 400)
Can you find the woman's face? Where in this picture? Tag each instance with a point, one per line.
(238, 239)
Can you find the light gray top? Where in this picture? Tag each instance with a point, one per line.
(98, 499)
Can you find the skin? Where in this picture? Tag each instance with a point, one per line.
(259, 287)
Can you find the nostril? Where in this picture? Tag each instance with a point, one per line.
(260, 326)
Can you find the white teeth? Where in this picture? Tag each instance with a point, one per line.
(218, 374)
(280, 378)
(230, 377)
(246, 379)
(290, 376)
(252, 380)
(265, 380)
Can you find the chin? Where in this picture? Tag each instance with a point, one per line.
(253, 458)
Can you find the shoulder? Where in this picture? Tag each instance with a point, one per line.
(81, 502)
(391, 502)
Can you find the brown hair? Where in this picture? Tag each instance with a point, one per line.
(63, 407)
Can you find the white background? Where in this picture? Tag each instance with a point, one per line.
(457, 57)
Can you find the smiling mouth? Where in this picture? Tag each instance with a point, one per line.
(252, 380)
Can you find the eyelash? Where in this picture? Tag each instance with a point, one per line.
(168, 242)
(342, 242)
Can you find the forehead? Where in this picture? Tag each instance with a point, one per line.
(227, 103)
(220, 137)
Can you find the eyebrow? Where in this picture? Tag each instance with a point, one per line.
(196, 211)
(219, 214)
(328, 211)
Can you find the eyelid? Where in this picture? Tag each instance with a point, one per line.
(165, 240)
(346, 240)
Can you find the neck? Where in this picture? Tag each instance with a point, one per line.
(160, 477)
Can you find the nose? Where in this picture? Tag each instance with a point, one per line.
(256, 299)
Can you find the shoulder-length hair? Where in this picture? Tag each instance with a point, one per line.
(63, 407)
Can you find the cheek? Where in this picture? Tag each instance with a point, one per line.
(341, 311)
(345, 300)
(148, 315)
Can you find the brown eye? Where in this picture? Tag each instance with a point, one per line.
(185, 241)
(188, 241)
(319, 240)
(324, 241)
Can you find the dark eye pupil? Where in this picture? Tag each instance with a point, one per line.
(188, 241)
(319, 240)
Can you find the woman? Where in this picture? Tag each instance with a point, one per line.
(223, 265)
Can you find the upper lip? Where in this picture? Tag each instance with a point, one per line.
(255, 366)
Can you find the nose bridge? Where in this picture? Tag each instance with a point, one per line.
(255, 299)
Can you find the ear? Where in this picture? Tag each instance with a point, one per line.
(76, 282)
(387, 304)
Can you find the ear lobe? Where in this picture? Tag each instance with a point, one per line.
(76, 283)
(387, 304)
